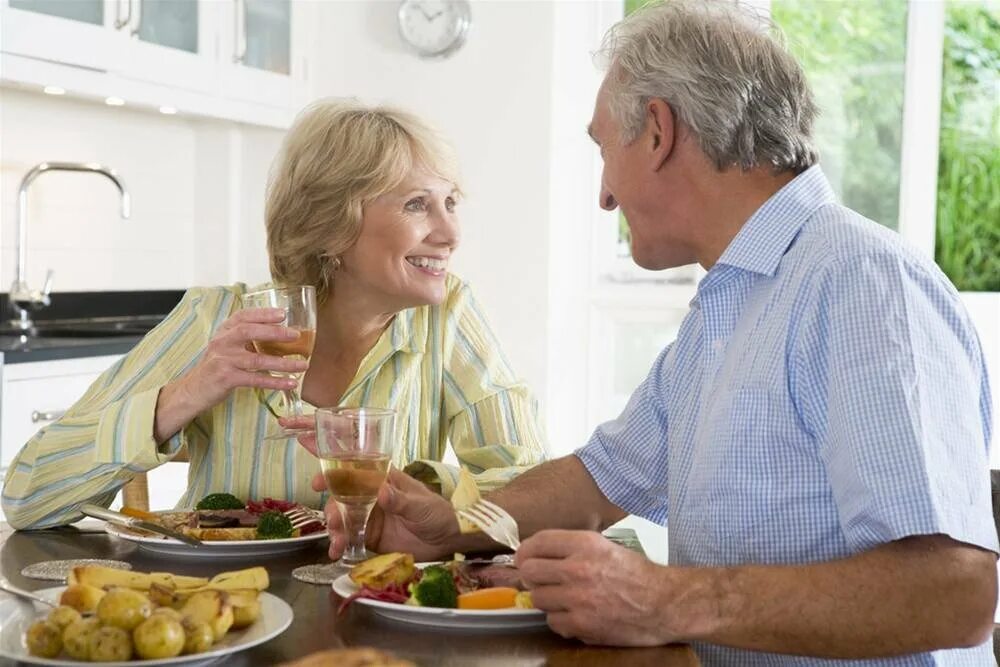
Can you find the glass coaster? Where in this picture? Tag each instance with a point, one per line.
(58, 570)
(322, 574)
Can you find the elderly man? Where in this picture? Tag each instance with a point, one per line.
(816, 437)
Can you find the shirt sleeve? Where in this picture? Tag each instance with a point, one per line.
(106, 437)
(889, 376)
(491, 417)
(628, 456)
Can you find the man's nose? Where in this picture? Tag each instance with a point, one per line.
(608, 201)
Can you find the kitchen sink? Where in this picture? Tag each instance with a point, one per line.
(86, 328)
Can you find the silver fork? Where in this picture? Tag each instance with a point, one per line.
(494, 521)
(302, 516)
(21, 593)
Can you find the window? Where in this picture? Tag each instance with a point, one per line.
(967, 238)
(854, 55)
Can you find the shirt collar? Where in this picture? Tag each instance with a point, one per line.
(763, 240)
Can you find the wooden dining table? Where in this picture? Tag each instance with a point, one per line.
(317, 624)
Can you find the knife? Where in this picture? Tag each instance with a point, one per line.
(131, 522)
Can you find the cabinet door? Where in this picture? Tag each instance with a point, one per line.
(265, 48)
(33, 395)
(173, 44)
(84, 33)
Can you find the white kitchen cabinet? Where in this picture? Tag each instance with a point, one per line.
(34, 394)
(265, 64)
(173, 44)
(244, 60)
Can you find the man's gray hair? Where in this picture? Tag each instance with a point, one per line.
(726, 74)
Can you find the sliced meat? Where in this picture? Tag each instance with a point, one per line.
(226, 519)
(487, 576)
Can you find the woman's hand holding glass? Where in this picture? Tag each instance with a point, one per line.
(227, 363)
(299, 306)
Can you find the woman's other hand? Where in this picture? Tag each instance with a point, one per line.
(228, 362)
(305, 422)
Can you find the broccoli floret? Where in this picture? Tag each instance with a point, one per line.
(436, 588)
(274, 526)
(220, 501)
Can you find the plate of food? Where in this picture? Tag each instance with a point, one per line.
(123, 618)
(227, 528)
(458, 594)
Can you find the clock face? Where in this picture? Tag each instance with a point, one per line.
(434, 27)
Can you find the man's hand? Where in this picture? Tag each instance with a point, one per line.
(593, 589)
(407, 517)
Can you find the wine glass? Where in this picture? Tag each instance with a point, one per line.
(299, 304)
(354, 446)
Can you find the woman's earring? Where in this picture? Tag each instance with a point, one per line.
(335, 263)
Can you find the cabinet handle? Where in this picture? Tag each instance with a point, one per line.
(119, 21)
(46, 415)
(239, 31)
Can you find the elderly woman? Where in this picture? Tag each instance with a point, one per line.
(361, 205)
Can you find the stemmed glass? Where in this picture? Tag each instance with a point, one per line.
(354, 446)
(299, 304)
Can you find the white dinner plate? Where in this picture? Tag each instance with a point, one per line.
(160, 544)
(17, 615)
(464, 619)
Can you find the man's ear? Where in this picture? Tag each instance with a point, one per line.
(660, 132)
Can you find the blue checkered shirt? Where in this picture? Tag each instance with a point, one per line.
(826, 394)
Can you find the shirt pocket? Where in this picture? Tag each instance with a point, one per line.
(737, 473)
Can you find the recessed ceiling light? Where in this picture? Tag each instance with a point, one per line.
(114, 101)
(54, 90)
(170, 111)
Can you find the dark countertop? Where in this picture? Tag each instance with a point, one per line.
(14, 351)
(143, 308)
(317, 625)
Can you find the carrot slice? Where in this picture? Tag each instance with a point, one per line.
(139, 514)
(498, 597)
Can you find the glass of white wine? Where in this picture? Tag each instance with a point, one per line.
(354, 446)
(299, 304)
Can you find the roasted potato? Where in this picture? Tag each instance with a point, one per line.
(43, 639)
(124, 608)
(110, 644)
(106, 577)
(82, 597)
(63, 616)
(159, 636)
(76, 638)
(381, 571)
(169, 612)
(245, 614)
(210, 607)
(198, 637)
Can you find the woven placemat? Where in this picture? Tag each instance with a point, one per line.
(58, 570)
(322, 574)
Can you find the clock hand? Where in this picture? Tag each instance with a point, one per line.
(426, 16)
(434, 16)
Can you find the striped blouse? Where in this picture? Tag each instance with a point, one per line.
(439, 367)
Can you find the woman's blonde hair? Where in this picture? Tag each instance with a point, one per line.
(338, 156)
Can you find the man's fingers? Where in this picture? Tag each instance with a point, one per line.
(400, 480)
(318, 483)
(537, 572)
(555, 544)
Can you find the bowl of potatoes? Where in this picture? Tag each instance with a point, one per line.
(115, 617)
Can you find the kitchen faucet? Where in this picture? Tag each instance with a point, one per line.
(22, 297)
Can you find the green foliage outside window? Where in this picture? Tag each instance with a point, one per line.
(967, 244)
(854, 55)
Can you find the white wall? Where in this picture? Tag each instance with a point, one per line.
(188, 188)
(492, 101)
